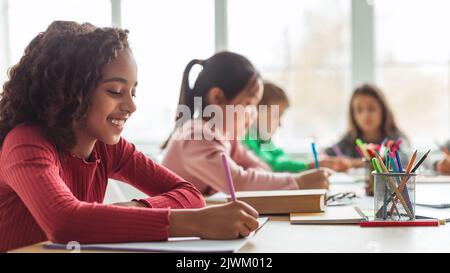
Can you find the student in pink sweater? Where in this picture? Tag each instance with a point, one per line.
(213, 117)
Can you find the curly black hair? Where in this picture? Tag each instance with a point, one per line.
(52, 83)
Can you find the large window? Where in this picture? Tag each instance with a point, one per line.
(165, 36)
(29, 17)
(413, 64)
(305, 47)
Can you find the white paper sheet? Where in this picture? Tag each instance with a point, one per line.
(182, 244)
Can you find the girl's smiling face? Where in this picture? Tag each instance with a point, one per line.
(112, 102)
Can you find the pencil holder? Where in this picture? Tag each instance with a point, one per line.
(368, 177)
(391, 201)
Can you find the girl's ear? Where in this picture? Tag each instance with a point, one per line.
(215, 96)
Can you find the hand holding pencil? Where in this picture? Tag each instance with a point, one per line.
(443, 166)
(229, 221)
(220, 222)
(314, 179)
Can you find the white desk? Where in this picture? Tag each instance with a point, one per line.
(278, 235)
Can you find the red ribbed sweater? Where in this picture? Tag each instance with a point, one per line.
(48, 196)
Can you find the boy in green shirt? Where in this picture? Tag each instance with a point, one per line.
(275, 157)
(263, 147)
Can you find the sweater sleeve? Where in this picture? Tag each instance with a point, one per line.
(165, 188)
(247, 159)
(203, 159)
(285, 164)
(31, 170)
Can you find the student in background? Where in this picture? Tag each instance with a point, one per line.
(441, 162)
(370, 119)
(61, 115)
(443, 166)
(263, 146)
(228, 80)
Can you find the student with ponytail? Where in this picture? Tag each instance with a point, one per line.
(213, 117)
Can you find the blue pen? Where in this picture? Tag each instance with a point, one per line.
(405, 190)
(316, 160)
(383, 210)
(395, 170)
(400, 168)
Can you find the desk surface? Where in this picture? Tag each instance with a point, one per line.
(278, 235)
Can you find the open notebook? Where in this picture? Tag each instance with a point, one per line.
(182, 244)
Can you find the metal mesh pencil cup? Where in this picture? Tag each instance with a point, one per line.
(390, 202)
(368, 177)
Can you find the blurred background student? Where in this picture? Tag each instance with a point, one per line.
(260, 140)
(371, 120)
(440, 161)
(226, 80)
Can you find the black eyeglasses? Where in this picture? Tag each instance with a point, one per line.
(341, 198)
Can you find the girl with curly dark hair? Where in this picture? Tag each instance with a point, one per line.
(61, 115)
